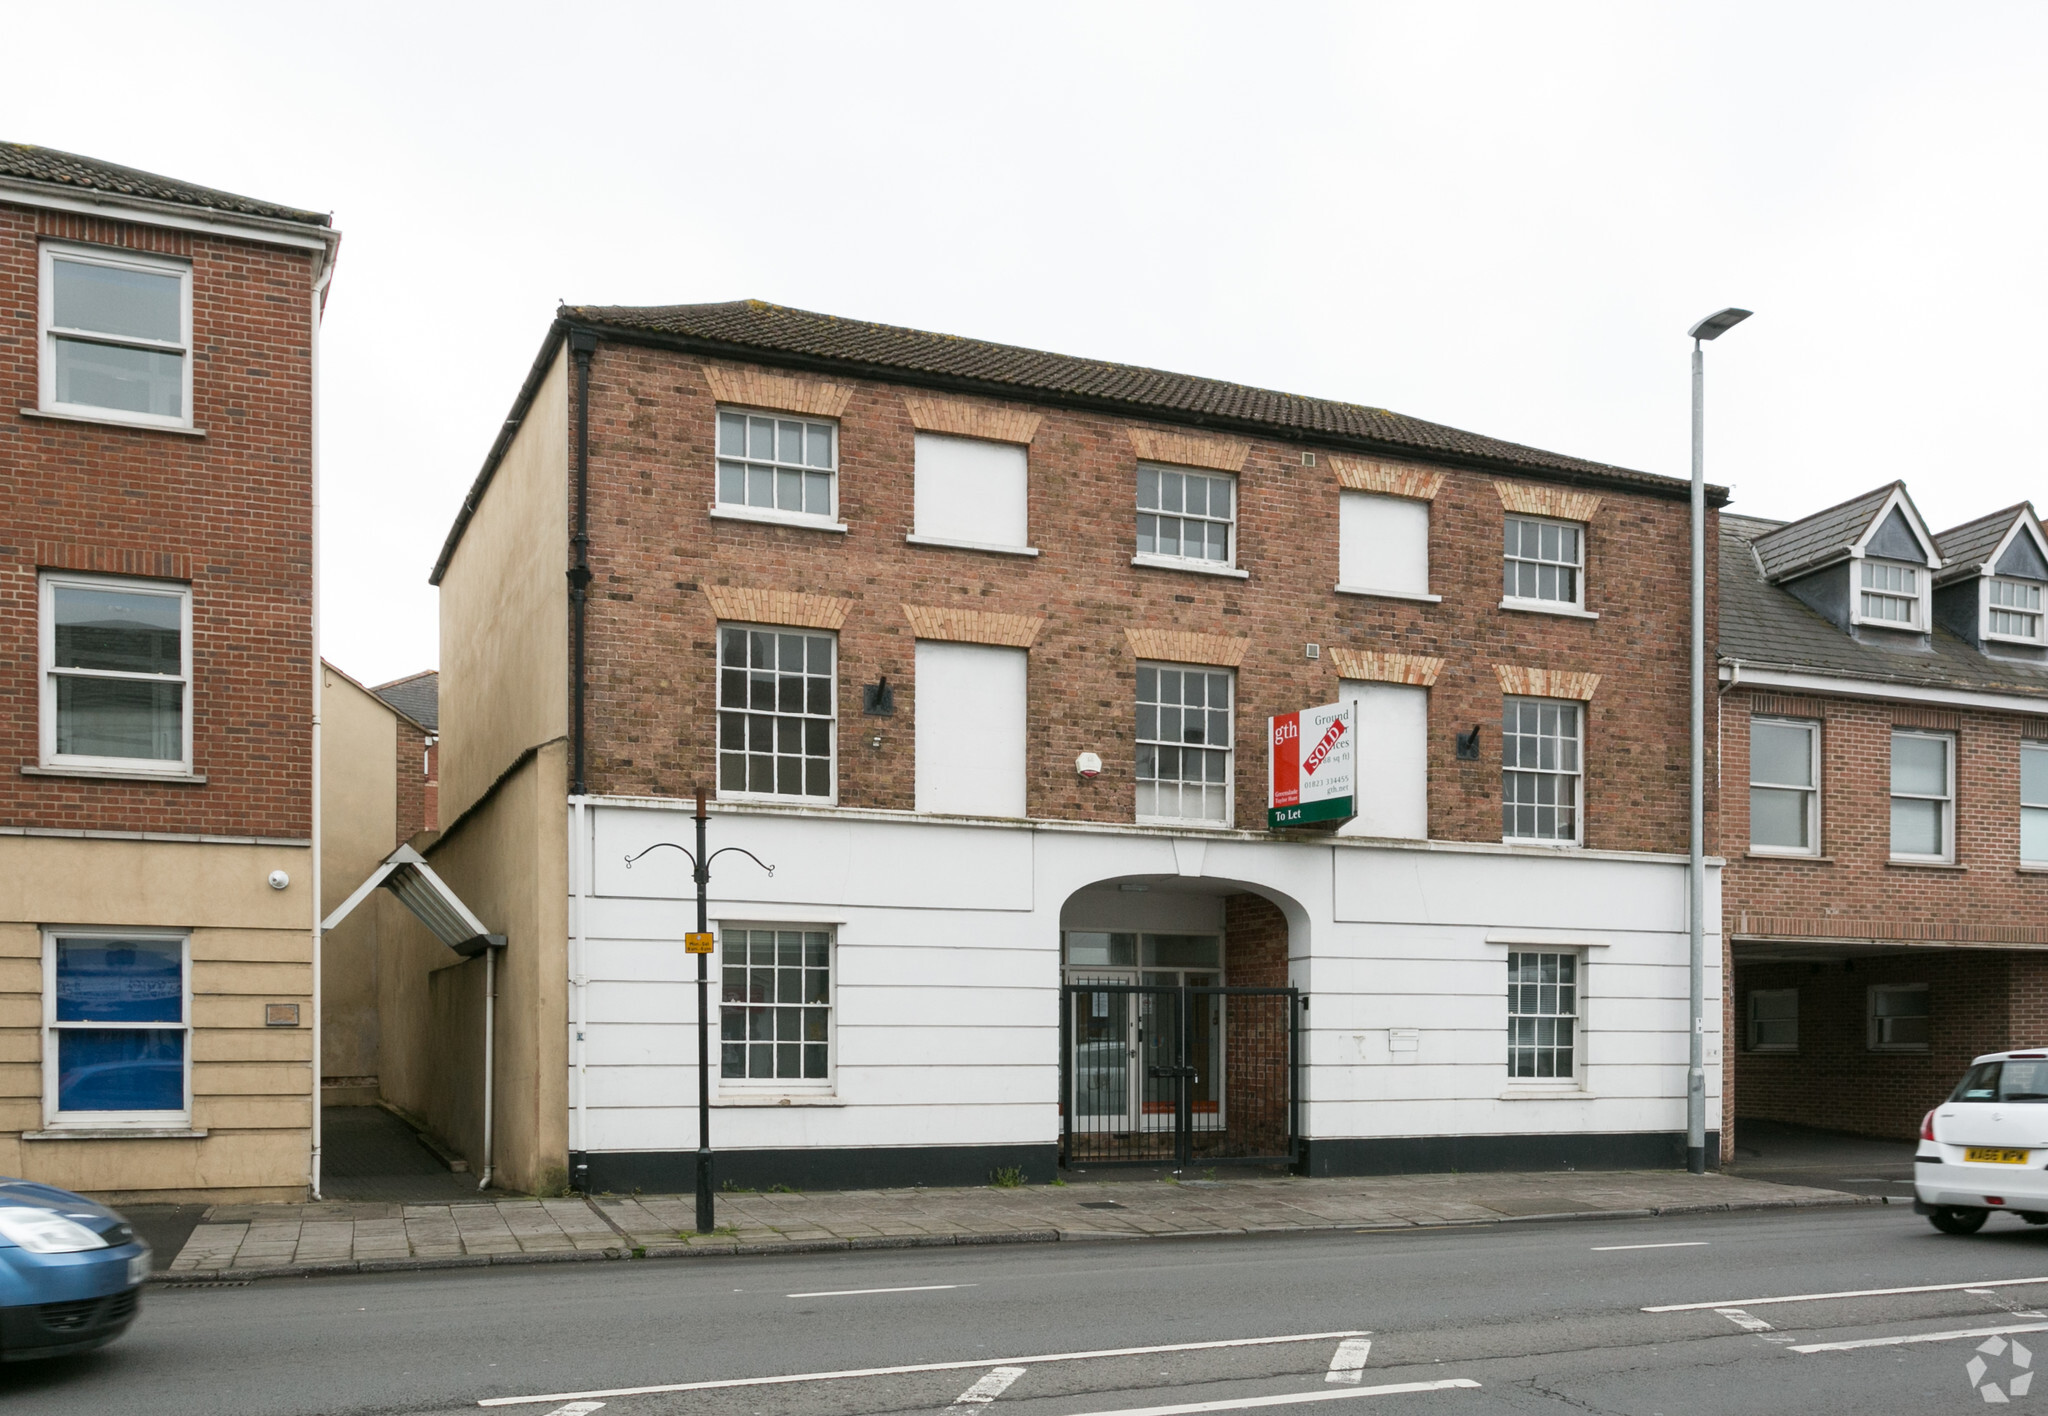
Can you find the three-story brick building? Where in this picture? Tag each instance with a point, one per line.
(976, 645)
(1884, 737)
(157, 824)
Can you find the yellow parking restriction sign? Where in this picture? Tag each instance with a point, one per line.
(696, 943)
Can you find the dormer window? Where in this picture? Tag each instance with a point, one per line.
(1891, 595)
(2013, 611)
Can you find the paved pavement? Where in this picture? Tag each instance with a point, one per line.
(339, 1236)
(1483, 1320)
(1803, 1155)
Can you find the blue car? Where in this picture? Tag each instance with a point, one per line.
(71, 1272)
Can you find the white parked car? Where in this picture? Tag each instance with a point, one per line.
(1986, 1147)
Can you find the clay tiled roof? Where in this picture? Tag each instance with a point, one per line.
(29, 163)
(739, 327)
(1812, 541)
(1766, 627)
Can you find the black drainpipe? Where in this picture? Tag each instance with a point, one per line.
(582, 344)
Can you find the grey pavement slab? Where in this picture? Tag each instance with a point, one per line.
(247, 1239)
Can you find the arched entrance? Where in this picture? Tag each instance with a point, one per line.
(1179, 1030)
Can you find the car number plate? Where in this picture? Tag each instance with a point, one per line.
(1995, 1155)
(138, 1268)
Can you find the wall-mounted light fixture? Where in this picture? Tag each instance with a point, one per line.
(1468, 745)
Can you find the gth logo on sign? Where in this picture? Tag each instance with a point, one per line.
(2013, 1370)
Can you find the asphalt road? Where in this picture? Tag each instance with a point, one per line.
(1535, 1317)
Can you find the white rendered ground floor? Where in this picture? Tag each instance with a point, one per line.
(887, 1008)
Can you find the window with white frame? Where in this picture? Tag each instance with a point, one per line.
(1382, 544)
(116, 335)
(1889, 594)
(1923, 795)
(2034, 803)
(1774, 1020)
(1540, 769)
(1190, 516)
(777, 713)
(2013, 610)
(1543, 562)
(1543, 1015)
(971, 492)
(1784, 786)
(117, 1022)
(1899, 1017)
(771, 462)
(116, 674)
(775, 1009)
(1184, 744)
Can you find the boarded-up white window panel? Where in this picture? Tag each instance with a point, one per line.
(1383, 543)
(970, 490)
(970, 729)
(1393, 760)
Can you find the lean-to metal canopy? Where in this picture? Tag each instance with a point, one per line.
(406, 874)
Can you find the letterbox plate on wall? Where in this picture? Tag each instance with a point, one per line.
(280, 1015)
(696, 943)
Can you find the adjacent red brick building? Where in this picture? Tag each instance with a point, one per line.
(1884, 755)
(157, 679)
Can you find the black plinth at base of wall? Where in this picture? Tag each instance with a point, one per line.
(1426, 1155)
(831, 1168)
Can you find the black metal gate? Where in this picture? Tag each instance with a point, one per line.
(1152, 1074)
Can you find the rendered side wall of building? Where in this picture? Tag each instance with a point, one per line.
(359, 826)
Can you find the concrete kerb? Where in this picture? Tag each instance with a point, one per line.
(929, 1241)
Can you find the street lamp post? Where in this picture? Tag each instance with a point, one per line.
(699, 943)
(1712, 327)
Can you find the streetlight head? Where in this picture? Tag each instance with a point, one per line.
(1718, 323)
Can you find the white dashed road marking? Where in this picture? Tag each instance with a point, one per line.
(861, 1292)
(1904, 1339)
(940, 1367)
(1744, 1320)
(1999, 1300)
(1618, 1248)
(1349, 1363)
(577, 1408)
(989, 1387)
(1291, 1399)
(1845, 1293)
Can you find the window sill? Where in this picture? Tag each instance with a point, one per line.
(2015, 642)
(1546, 1094)
(115, 774)
(1949, 866)
(776, 518)
(777, 1099)
(1193, 567)
(1180, 823)
(116, 1133)
(1794, 856)
(1545, 845)
(1920, 1051)
(99, 421)
(993, 547)
(775, 799)
(1772, 1051)
(1390, 594)
(1546, 607)
(2030, 870)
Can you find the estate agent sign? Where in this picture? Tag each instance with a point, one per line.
(1314, 765)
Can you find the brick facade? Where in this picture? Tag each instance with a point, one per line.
(661, 566)
(230, 513)
(1853, 897)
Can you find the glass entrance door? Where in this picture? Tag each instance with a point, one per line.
(1104, 1037)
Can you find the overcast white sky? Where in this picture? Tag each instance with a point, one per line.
(1499, 216)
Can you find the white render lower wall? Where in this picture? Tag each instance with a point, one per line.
(946, 975)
